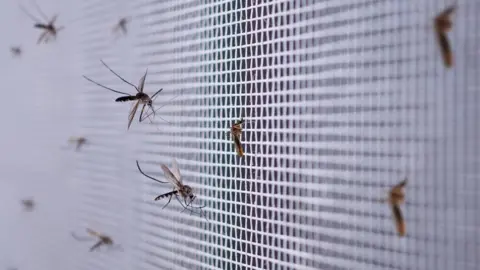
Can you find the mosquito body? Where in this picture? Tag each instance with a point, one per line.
(180, 191)
(121, 26)
(396, 196)
(236, 134)
(50, 31)
(79, 141)
(28, 205)
(443, 24)
(16, 51)
(103, 240)
(139, 98)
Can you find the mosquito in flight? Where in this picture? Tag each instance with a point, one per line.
(180, 191)
(396, 196)
(121, 26)
(48, 25)
(16, 51)
(28, 204)
(102, 239)
(140, 97)
(443, 24)
(236, 134)
(79, 141)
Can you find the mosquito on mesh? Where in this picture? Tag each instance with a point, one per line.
(140, 97)
(78, 141)
(121, 26)
(396, 196)
(443, 24)
(236, 134)
(48, 25)
(180, 191)
(102, 240)
(16, 51)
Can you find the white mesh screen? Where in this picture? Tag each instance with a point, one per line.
(343, 99)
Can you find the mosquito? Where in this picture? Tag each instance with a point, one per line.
(236, 134)
(180, 191)
(79, 141)
(28, 204)
(102, 239)
(140, 97)
(121, 26)
(396, 197)
(443, 24)
(16, 51)
(48, 25)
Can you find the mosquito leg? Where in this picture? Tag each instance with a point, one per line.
(169, 200)
(40, 10)
(140, 119)
(33, 18)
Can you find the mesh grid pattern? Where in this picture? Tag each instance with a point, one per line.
(343, 100)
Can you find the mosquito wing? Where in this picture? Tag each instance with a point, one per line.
(176, 171)
(170, 176)
(93, 233)
(132, 114)
(141, 83)
(54, 18)
(399, 221)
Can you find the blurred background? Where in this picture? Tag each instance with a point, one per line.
(344, 98)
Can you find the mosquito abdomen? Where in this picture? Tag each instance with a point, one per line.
(125, 98)
(171, 193)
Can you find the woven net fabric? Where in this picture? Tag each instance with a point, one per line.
(342, 100)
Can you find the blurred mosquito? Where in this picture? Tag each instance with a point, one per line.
(443, 24)
(396, 196)
(140, 97)
(102, 240)
(16, 51)
(48, 25)
(180, 191)
(236, 134)
(78, 141)
(28, 204)
(121, 26)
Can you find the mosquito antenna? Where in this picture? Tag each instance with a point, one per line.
(108, 88)
(33, 18)
(120, 77)
(45, 17)
(148, 176)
